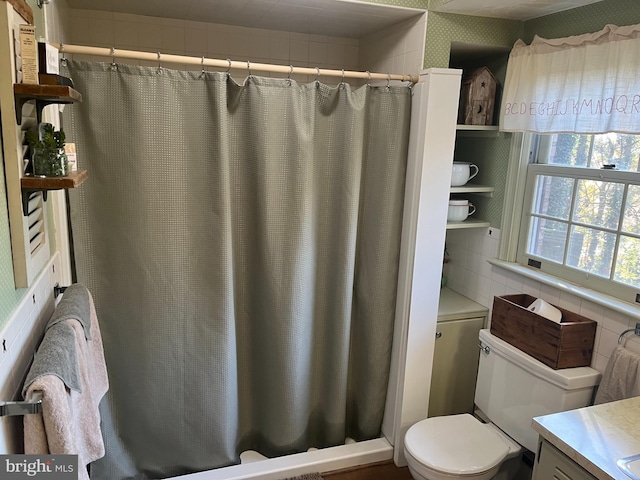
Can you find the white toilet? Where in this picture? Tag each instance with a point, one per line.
(511, 389)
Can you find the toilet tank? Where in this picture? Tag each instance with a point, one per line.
(513, 387)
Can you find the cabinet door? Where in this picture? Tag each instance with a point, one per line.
(455, 367)
(553, 464)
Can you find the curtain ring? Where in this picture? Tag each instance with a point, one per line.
(342, 81)
(249, 67)
(113, 59)
(289, 76)
(388, 80)
(317, 73)
(63, 60)
(229, 67)
(368, 78)
(159, 69)
(202, 73)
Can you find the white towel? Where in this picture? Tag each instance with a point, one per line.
(621, 377)
(70, 422)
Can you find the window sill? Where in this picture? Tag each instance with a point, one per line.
(607, 301)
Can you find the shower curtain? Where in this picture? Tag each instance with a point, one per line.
(241, 243)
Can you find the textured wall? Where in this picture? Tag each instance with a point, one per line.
(444, 28)
(423, 4)
(9, 296)
(590, 18)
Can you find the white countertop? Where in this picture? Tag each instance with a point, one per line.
(595, 437)
(454, 306)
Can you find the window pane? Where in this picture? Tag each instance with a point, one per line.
(598, 203)
(569, 149)
(591, 250)
(583, 220)
(594, 151)
(628, 262)
(631, 222)
(553, 196)
(547, 239)
(616, 148)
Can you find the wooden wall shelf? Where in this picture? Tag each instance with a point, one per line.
(23, 9)
(43, 95)
(32, 184)
(73, 180)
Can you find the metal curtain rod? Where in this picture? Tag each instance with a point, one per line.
(229, 64)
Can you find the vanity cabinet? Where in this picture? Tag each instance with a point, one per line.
(552, 463)
(456, 354)
(455, 367)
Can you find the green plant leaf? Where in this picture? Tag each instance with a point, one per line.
(50, 138)
(32, 139)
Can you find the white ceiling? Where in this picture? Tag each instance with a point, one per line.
(343, 18)
(511, 9)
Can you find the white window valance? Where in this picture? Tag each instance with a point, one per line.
(585, 84)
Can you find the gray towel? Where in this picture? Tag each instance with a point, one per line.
(70, 420)
(57, 356)
(621, 377)
(74, 304)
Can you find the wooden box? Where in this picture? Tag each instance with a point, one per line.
(557, 345)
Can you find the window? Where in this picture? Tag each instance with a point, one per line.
(581, 216)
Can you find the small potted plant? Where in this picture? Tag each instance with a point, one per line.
(47, 151)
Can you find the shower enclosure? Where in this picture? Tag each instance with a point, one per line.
(241, 242)
(137, 285)
(430, 152)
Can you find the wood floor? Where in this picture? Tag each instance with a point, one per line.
(388, 471)
(376, 471)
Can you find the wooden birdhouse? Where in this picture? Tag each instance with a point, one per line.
(478, 98)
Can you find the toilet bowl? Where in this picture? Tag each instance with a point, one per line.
(456, 447)
(511, 388)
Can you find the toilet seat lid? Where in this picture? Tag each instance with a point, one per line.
(455, 444)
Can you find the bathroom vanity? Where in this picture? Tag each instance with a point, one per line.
(586, 443)
(455, 359)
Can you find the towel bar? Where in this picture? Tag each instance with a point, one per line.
(636, 331)
(58, 290)
(27, 407)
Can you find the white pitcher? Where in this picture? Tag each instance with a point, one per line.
(461, 173)
(459, 210)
